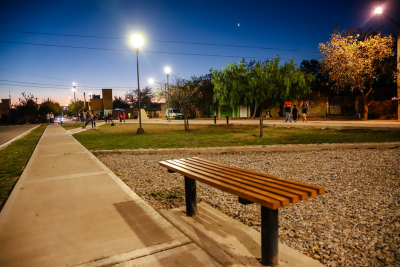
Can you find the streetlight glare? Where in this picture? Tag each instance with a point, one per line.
(167, 70)
(378, 10)
(151, 81)
(73, 89)
(137, 41)
(74, 84)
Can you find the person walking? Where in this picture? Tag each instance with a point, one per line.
(48, 118)
(304, 110)
(123, 116)
(287, 107)
(51, 118)
(295, 113)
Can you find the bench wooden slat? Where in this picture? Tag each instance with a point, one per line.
(302, 194)
(310, 192)
(264, 201)
(314, 190)
(285, 199)
(293, 197)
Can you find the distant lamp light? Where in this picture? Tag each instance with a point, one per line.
(74, 84)
(151, 81)
(167, 70)
(378, 10)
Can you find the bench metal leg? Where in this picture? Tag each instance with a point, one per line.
(215, 120)
(190, 191)
(269, 236)
(227, 119)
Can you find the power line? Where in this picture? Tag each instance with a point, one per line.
(126, 50)
(164, 41)
(60, 85)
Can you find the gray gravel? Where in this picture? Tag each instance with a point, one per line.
(355, 223)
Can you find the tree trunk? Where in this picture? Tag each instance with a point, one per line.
(186, 121)
(254, 114)
(365, 100)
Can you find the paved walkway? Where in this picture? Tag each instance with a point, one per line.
(69, 209)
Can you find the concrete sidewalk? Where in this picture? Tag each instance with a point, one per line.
(68, 209)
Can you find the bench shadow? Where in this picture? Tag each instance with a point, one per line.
(142, 223)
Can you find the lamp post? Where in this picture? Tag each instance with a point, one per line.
(379, 10)
(137, 42)
(167, 71)
(74, 89)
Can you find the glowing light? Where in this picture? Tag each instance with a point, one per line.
(167, 70)
(378, 10)
(137, 41)
(74, 84)
(151, 81)
(73, 89)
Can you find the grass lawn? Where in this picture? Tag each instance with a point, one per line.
(13, 160)
(69, 126)
(124, 136)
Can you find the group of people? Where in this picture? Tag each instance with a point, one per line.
(295, 112)
(50, 118)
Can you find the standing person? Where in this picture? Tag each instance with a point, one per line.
(48, 118)
(295, 112)
(120, 117)
(123, 115)
(91, 119)
(287, 110)
(304, 110)
(51, 118)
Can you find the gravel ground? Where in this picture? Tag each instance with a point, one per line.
(355, 223)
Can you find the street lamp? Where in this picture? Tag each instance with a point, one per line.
(379, 10)
(167, 71)
(74, 89)
(137, 42)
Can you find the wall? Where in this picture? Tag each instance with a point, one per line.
(107, 98)
(96, 104)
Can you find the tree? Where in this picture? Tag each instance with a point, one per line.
(256, 82)
(355, 61)
(27, 109)
(120, 103)
(204, 95)
(321, 82)
(79, 107)
(49, 106)
(146, 95)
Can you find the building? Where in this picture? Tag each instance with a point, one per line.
(101, 106)
(5, 107)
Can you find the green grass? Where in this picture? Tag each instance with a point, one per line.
(71, 126)
(173, 136)
(13, 160)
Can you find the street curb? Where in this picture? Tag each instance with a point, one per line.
(18, 137)
(271, 148)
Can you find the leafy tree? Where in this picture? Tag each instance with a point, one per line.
(79, 107)
(49, 106)
(356, 61)
(119, 102)
(256, 82)
(321, 82)
(27, 109)
(146, 95)
(204, 95)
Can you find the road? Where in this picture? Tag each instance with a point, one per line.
(9, 132)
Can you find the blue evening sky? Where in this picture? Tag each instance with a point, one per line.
(291, 29)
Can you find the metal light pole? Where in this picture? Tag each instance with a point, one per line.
(137, 42)
(379, 10)
(167, 71)
(74, 84)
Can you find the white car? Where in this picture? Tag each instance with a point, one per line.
(173, 113)
(74, 118)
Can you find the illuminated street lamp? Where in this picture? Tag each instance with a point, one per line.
(74, 84)
(379, 10)
(137, 42)
(167, 71)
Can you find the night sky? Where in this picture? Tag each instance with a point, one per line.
(46, 45)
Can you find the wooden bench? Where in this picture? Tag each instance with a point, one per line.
(269, 191)
(215, 118)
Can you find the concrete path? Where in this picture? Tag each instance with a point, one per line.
(68, 209)
(11, 133)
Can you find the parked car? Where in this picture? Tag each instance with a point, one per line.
(173, 113)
